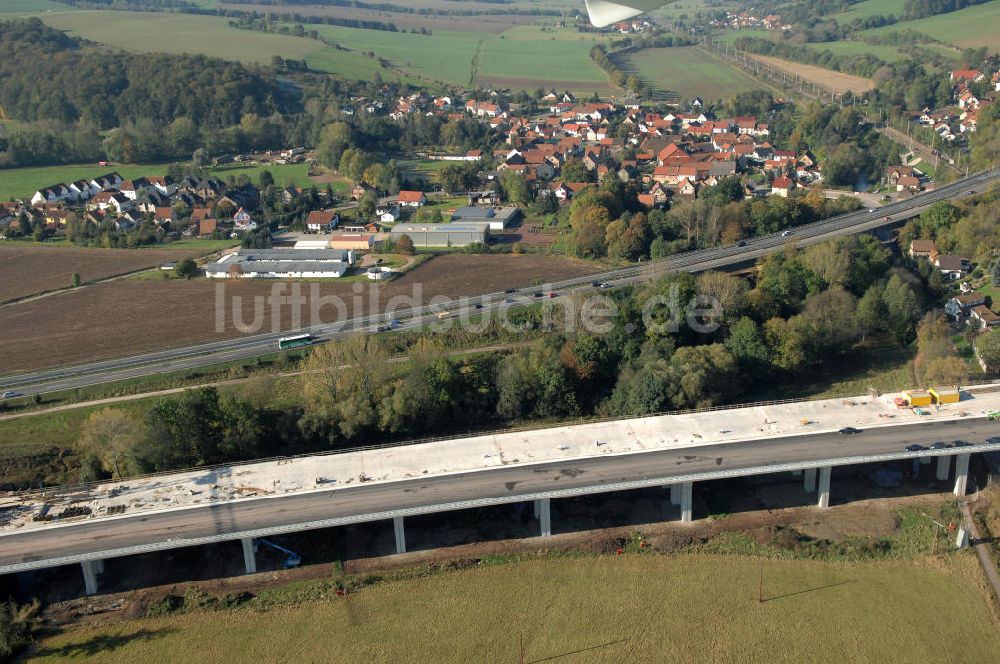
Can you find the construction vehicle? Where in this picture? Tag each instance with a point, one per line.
(292, 560)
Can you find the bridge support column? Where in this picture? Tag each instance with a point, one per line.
(91, 568)
(249, 557)
(544, 514)
(809, 480)
(687, 498)
(824, 486)
(943, 466)
(397, 529)
(961, 474)
(796, 473)
(925, 461)
(675, 494)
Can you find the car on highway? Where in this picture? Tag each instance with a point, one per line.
(537, 294)
(10, 394)
(971, 191)
(915, 448)
(785, 233)
(383, 328)
(940, 446)
(741, 243)
(961, 443)
(871, 210)
(479, 305)
(595, 284)
(847, 431)
(510, 290)
(552, 294)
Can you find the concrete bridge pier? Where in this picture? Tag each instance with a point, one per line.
(544, 515)
(687, 498)
(809, 480)
(943, 467)
(824, 486)
(961, 474)
(91, 568)
(675, 494)
(400, 533)
(249, 556)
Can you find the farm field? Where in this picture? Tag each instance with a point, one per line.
(444, 56)
(26, 270)
(825, 78)
(180, 33)
(126, 316)
(531, 63)
(970, 27)
(23, 182)
(689, 72)
(9, 8)
(493, 23)
(885, 52)
(871, 8)
(588, 609)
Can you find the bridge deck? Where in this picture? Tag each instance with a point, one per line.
(331, 472)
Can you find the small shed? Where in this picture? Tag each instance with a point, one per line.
(918, 398)
(944, 395)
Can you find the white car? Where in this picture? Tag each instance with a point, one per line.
(10, 394)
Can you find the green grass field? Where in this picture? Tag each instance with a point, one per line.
(627, 608)
(9, 8)
(885, 52)
(970, 27)
(690, 72)
(23, 182)
(537, 62)
(181, 33)
(871, 8)
(444, 56)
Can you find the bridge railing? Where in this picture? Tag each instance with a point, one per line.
(66, 491)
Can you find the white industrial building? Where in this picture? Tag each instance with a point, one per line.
(282, 264)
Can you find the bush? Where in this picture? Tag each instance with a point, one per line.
(187, 268)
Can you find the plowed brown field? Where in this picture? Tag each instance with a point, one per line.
(126, 317)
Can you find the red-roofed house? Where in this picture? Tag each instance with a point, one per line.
(412, 199)
(782, 186)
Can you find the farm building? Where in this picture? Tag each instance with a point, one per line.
(498, 219)
(352, 241)
(443, 235)
(282, 264)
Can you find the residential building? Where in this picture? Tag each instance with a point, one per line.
(322, 221)
(413, 199)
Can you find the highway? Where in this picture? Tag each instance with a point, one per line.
(247, 347)
(116, 536)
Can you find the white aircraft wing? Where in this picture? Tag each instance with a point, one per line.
(606, 12)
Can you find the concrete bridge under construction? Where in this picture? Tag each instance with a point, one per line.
(92, 523)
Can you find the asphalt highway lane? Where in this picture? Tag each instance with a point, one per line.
(367, 502)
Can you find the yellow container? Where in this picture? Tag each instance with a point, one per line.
(918, 398)
(945, 394)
